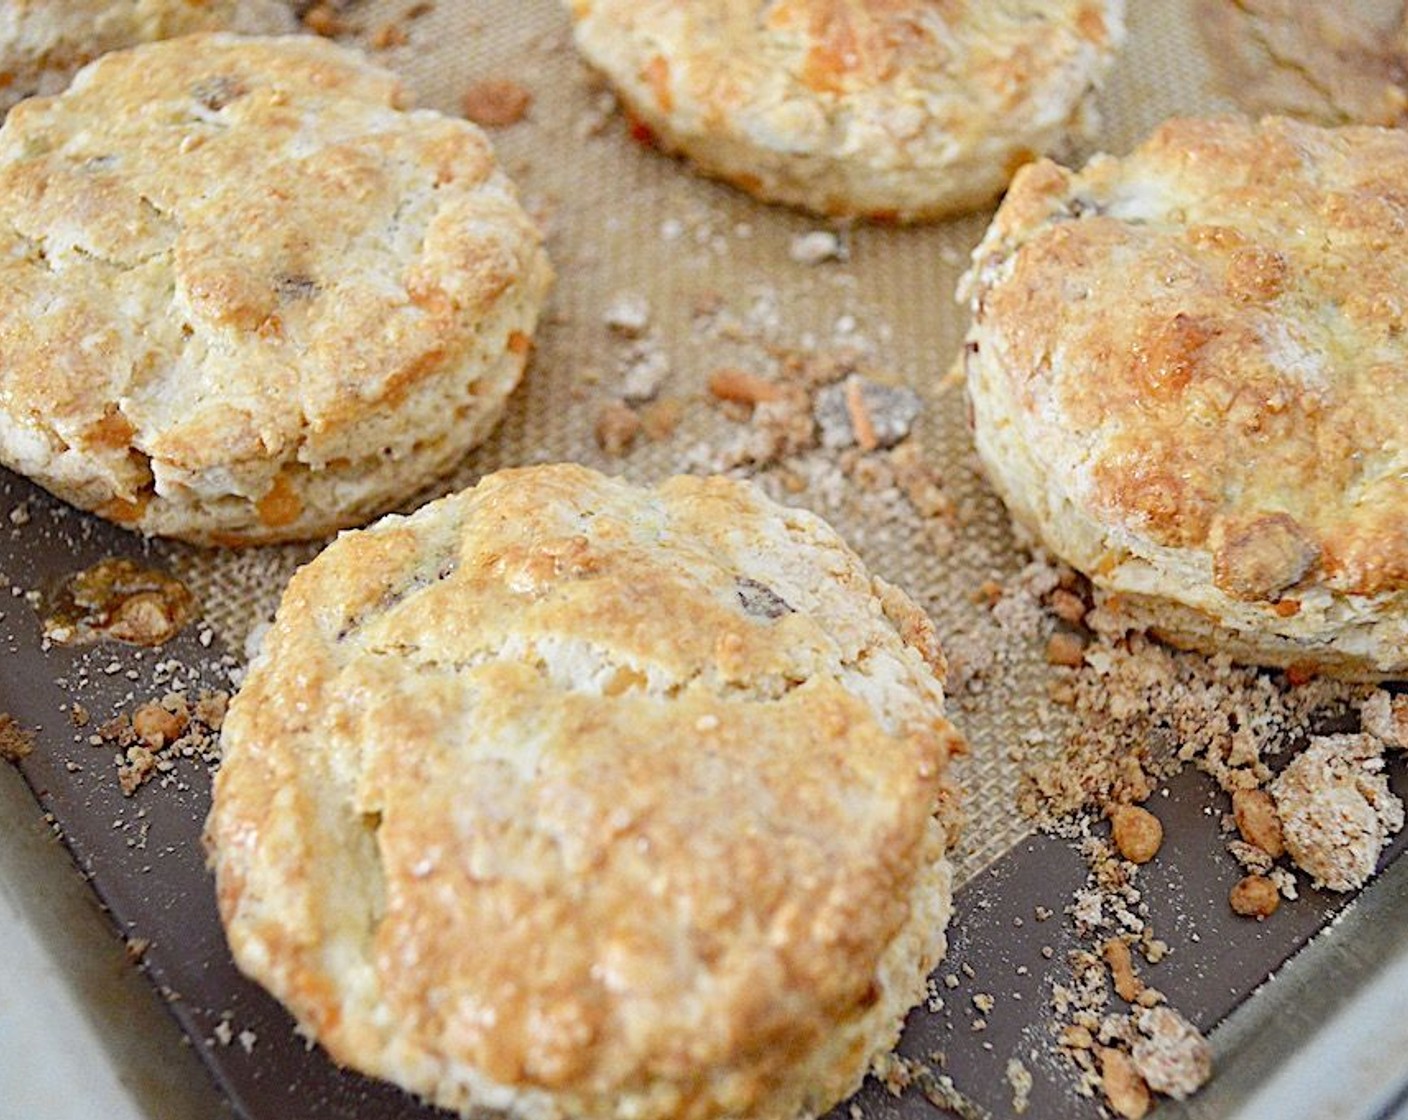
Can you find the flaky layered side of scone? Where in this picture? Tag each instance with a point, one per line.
(899, 110)
(44, 42)
(1185, 369)
(249, 296)
(580, 800)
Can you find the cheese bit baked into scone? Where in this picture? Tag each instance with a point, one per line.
(1189, 377)
(891, 109)
(249, 296)
(43, 42)
(573, 799)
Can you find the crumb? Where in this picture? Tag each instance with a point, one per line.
(211, 707)
(1020, 1078)
(858, 413)
(617, 426)
(156, 726)
(1117, 956)
(1255, 896)
(1124, 1087)
(496, 102)
(136, 948)
(988, 592)
(865, 413)
(1173, 1056)
(1255, 814)
(324, 20)
(660, 418)
(1285, 882)
(1076, 1037)
(388, 35)
(156, 733)
(1252, 859)
(740, 387)
(1137, 833)
(1067, 606)
(644, 368)
(1336, 809)
(1064, 648)
(15, 742)
(816, 247)
(1385, 717)
(1141, 710)
(628, 314)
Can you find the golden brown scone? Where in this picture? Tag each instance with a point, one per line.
(894, 109)
(1187, 370)
(1332, 64)
(44, 42)
(581, 800)
(248, 295)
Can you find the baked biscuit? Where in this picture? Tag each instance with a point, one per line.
(895, 109)
(248, 295)
(1185, 371)
(44, 42)
(1344, 63)
(569, 798)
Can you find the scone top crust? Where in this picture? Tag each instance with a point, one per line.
(221, 253)
(560, 789)
(1205, 343)
(135, 21)
(899, 85)
(42, 42)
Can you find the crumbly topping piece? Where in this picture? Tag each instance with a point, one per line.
(628, 314)
(1336, 809)
(1020, 1078)
(16, 743)
(149, 739)
(1254, 811)
(817, 246)
(1255, 896)
(1142, 709)
(1171, 1054)
(1125, 1089)
(1384, 715)
(617, 426)
(496, 102)
(1137, 833)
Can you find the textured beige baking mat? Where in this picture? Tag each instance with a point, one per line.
(630, 230)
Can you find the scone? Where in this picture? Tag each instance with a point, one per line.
(893, 109)
(1344, 63)
(1185, 369)
(249, 296)
(574, 799)
(43, 42)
